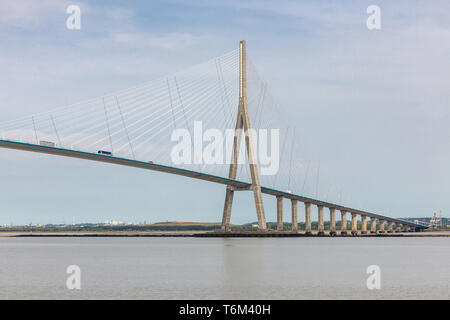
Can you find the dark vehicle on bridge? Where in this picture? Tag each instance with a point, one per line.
(106, 153)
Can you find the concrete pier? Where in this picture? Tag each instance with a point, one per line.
(332, 221)
(390, 227)
(308, 218)
(382, 222)
(363, 224)
(294, 206)
(354, 224)
(280, 226)
(343, 222)
(373, 225)
(321, 224)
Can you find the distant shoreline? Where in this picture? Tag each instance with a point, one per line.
(217, 234)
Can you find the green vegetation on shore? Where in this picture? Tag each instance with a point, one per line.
(169, 226)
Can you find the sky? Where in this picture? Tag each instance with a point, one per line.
(371, 106)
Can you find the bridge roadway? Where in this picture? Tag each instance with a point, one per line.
(240, 185)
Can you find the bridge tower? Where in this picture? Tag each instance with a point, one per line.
(243, 123)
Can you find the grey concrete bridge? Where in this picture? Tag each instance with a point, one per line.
(242, 125)
(377, 222)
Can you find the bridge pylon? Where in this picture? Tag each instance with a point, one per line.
(243, 123)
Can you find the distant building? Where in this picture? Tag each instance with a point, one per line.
(113, 223)
(431, 221)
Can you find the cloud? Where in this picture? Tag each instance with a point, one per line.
(149, 40)
(26, 14)
(313, 11)
(29, 14)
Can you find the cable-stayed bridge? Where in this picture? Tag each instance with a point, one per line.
(139, 127)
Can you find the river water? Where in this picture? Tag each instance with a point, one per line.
(232, 268)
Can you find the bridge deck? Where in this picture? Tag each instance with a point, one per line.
(187, 173)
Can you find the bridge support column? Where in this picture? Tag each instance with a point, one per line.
(363, 224)
(343, 222)
(280, 226)
(399, 227)
(354, 224)
(332, 221)
(227, 209)
(390, 227)
(294, 205)
(243, 123)
(382, 222)
(321, 224)
(373, 225)
(308, 218)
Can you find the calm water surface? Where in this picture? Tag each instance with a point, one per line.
(212, 268)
